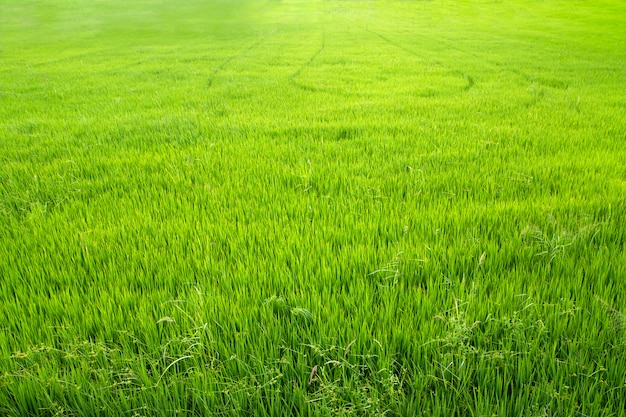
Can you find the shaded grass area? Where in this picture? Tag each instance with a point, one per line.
(303, 208)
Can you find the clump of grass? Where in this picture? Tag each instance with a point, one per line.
(280, 307)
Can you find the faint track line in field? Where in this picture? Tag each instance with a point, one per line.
(468, 78)
(311, 59)
(75, 57)
(546, 82)
(231, 58)
(529, 78)
(392, 43)
(307, 64)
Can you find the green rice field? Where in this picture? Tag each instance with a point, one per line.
(312, 208)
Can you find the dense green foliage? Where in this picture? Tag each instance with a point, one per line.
(312, 208)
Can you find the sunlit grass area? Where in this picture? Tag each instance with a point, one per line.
(312, 208)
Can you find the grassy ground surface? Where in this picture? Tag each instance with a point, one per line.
(313, 208)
